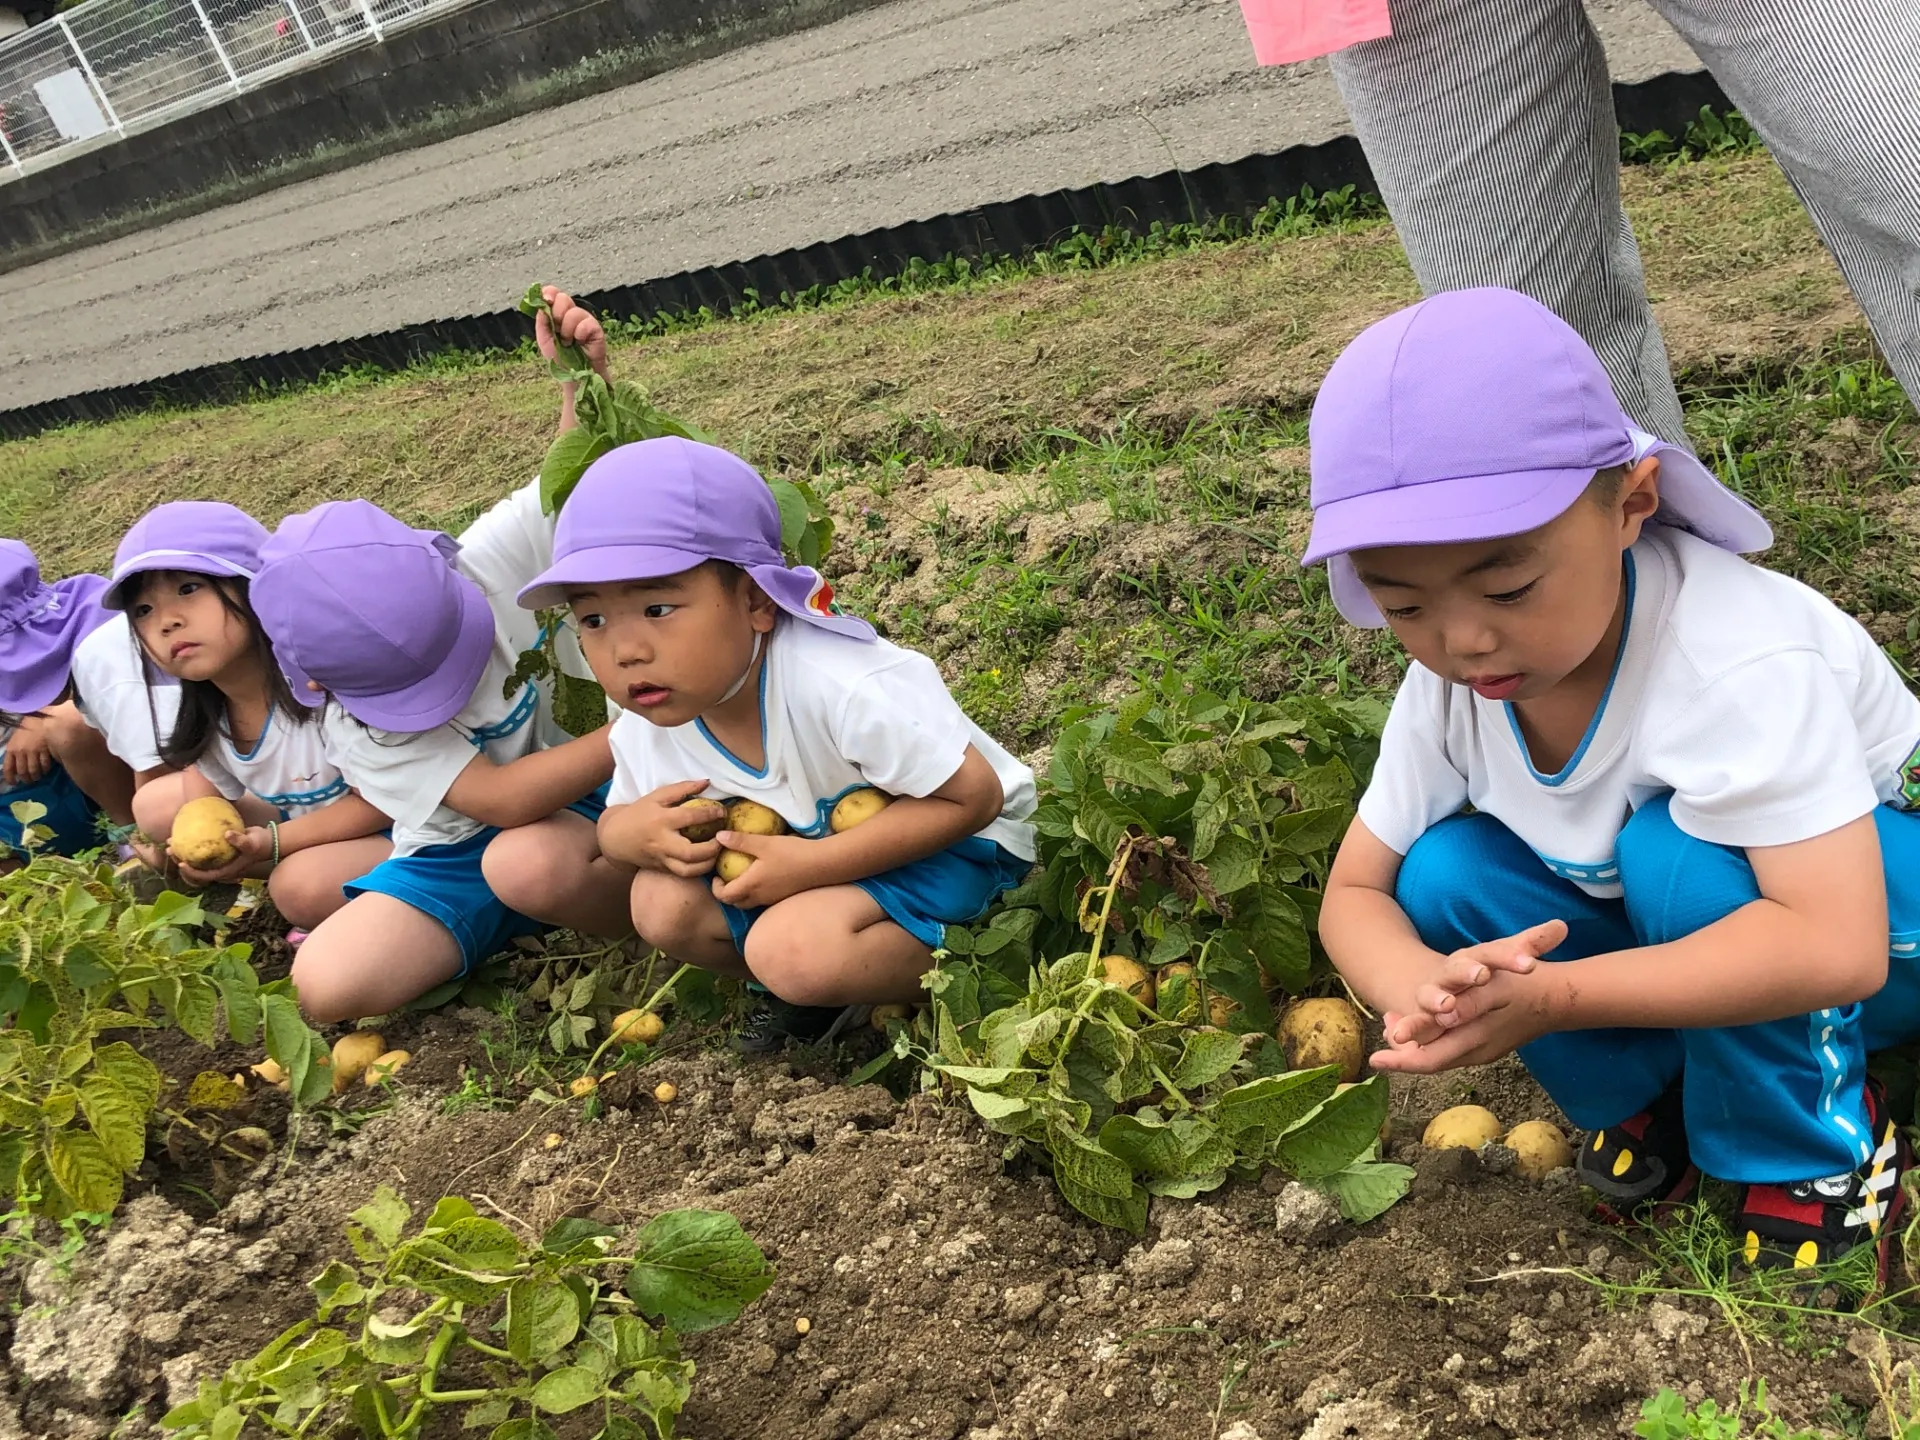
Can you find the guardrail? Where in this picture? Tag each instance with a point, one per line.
(104, 68)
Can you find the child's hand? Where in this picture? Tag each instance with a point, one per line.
(1509, 1011)
(781, 868)
(252, 847)
(1439, 1001)
(577, 326)
(29, 754)
(646, 834)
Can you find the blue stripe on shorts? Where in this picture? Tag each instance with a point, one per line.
(953, 887)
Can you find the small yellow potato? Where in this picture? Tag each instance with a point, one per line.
(585, 1085)
(200, 831)
(1130, 976)
(705, 830)
(856, 807)
(1323, 1032)
(666, 1092)
(637, 1027)
(1464, 1127)
(750, 817)
(1539, 1149)
(732, 865)
(802, 1325)
(386, 1066)
(352, 1054)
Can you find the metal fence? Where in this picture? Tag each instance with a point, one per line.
(104, 68)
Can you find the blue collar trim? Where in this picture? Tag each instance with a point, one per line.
(761, 772)
(1599, 711)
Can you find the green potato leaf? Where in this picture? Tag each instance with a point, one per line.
(696, 1269)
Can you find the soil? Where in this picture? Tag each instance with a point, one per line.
(949, 1294)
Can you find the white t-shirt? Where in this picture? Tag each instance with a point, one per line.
(837, 714)
(287, 767)
(1770, 715)
(111, 692)
(503, 551)
(406, 777)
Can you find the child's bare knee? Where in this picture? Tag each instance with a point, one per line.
(324, 998)
(791, 964)
(304, 893)
(154, 807)
(666, 910)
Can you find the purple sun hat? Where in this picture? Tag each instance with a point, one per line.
(1473, 415)
(374, 611)
(658, 507)
(39, 626)
(203, 537)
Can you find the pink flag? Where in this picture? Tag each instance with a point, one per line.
(1287, 31)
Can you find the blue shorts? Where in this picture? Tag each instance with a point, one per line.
(446, 883)
(70, 815)
(953, 887)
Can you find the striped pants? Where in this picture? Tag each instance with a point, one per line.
(1490, 129)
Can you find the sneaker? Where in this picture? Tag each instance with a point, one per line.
(1640, 1167)
(1812, 1223)
(772, 1024)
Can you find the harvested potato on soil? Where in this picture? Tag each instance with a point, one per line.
(882, 1014)
(856, 807)
(1323, 1032)
(637, 1027)
(1130, 976)
(583, 1085)
(705, 830)
(1464, 1127)
(1539, 1148)
(352, 1054)
(270, 1073)
(666, 1092)
(200, 831)
(385, 1067)
(249, 1143)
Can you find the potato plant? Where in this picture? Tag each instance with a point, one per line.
(81, 960)
(1116, 1015)
(461, 1320)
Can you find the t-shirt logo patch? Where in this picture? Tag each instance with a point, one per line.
(1910, 779)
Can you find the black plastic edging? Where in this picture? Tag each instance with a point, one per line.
(1012, 227)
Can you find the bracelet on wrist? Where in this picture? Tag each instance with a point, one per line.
(273, 833)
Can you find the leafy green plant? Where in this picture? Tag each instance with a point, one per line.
(461, 1314)
(1124, 1104)
(19, 1237)
(80, 959)
(1667, 1416)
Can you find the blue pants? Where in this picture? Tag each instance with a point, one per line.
(70, 815)
(1767, 1103)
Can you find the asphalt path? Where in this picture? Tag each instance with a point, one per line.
(910, 110)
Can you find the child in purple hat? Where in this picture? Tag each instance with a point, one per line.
(740, 680)
(49, 756)
(376, 622)
(1691, 784)
(182, 576)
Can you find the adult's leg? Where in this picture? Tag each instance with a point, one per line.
(1469, 880)
(836, 946)
(1833, 87)
(553, 870)
(682, 918)
(371, 957)
(1766, 1104)
(83, 754)
(1489, 127)
(308, 886)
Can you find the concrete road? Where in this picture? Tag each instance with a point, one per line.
(906, 111)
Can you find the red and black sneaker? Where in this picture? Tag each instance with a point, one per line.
(1812, 1223)
(1640, 1167)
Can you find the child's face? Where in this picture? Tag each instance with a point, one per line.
(1513, 618)
(187, 625)
(668, 649)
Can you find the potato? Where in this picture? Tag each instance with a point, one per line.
(270, 1072)
(750, 817)
(1220, 1010)
(666, 1092)
(882, 1014)
(1130, 976)
(385, 1067)
(704, 831)
(583, 1085)
(553, 1140)
(1464, 1127)
(1323, 1032)
(1539, 1149)
(352, 1054)
(802, 1325)
(637, 1027)
(249, 1143)
(732, 865)
(856, 807)
(200, 831)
